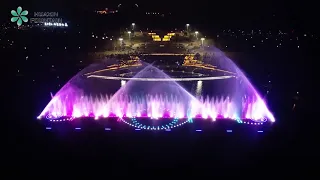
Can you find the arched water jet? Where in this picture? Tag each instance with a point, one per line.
(155, 96)
(243, 88)
(89, 97)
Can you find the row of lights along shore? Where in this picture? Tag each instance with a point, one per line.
(197, 130)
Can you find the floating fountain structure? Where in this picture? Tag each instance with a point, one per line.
(147, 92)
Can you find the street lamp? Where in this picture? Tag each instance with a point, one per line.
(129, 33)
(120, 40)
(187, 26)
(202, 39)
(133, 24)
(196, 34)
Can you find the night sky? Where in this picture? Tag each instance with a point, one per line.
(293, 14)
(288, 67)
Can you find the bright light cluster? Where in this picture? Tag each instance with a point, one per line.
(155, 107)
(175, 123)
(242, 121)
(53, 119)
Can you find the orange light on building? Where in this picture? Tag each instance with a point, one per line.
(156, 37)
(102, 12)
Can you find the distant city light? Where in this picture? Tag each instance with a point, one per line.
(187, 26)
(133, 24)
(202, 39)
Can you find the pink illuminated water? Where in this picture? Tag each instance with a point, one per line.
(156, 100)
(154, 106)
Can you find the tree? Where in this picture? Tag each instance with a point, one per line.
(197, 56)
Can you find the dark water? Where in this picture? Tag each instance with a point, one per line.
(281, 146)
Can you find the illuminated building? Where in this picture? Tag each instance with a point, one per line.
(156, 37)
(106, 11)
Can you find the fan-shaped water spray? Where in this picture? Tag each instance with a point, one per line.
(91, 96)
(243, 88)
(151, 98)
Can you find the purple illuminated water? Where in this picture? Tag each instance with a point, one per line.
(153, 106)
(89, 97)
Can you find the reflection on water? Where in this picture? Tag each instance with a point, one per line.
(199, 89)
(196, 88)
(123, 82)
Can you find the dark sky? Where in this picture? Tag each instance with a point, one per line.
(304, 13)
(203, 5)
